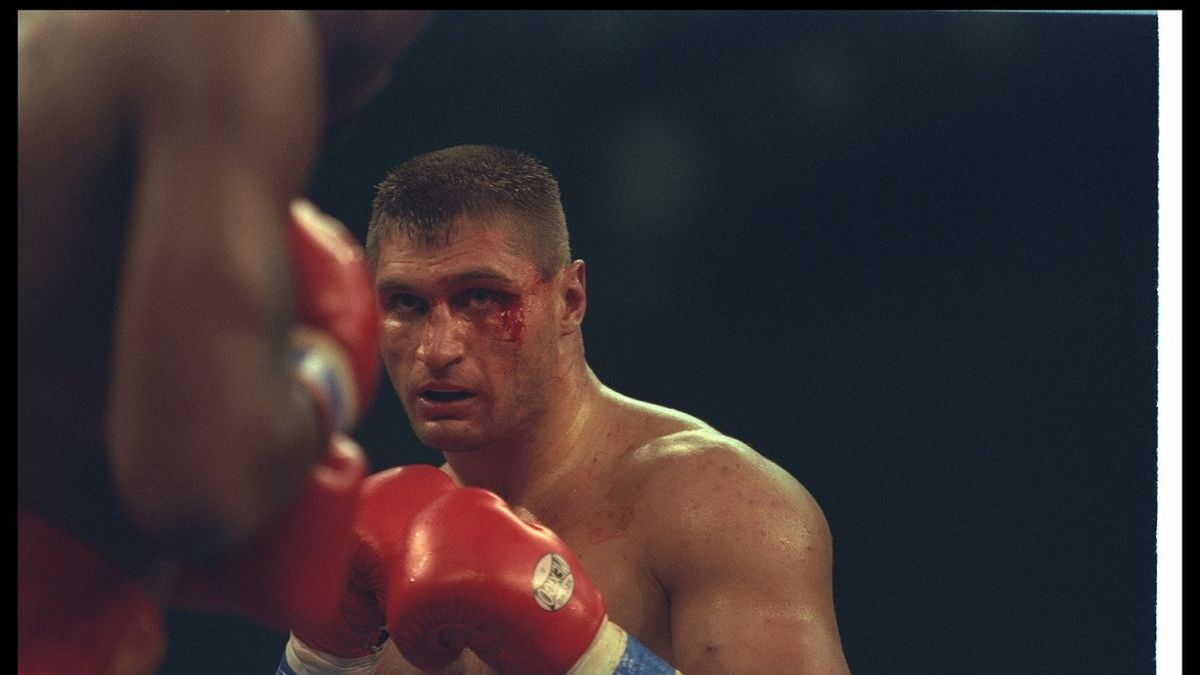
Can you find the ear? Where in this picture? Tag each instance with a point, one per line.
(573, 293)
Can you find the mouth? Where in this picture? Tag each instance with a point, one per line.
(440, 404)
(444, 396)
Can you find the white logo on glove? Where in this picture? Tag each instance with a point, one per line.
(553, 583)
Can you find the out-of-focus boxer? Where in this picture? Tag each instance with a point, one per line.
(662, 543)
(192, 339)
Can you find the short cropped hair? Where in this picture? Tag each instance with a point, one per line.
(421, 198)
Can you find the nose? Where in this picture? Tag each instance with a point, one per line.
(441, 340)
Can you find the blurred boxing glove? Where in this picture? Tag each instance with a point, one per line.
(337, 356)
(350, 641)
(477, 575)
(77, 612)
(292, 571)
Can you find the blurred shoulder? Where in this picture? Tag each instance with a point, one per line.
(214, 34)
(73, 65)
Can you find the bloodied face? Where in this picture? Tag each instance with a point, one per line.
(470, 334)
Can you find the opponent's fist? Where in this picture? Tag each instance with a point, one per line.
(477, 575)
(390, 501)
(337, 358)
(292, 571)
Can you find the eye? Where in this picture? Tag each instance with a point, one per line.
(405, 304)
(479, 299)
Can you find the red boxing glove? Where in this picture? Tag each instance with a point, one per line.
(390, 501)
(478, 576)
(339, 360)
(292, 571)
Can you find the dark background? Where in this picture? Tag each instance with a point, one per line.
(911, 257)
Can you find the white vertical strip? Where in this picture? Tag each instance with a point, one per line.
(1170, 365)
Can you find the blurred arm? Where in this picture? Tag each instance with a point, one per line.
(211, 434)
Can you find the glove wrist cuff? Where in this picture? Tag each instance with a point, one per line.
(300, 659)
(615, 652)
(321, 366)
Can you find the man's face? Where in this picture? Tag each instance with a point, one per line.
(470, 335)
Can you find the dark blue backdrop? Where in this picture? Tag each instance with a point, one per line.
(911, 257)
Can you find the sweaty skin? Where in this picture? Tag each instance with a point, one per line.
(709, 554)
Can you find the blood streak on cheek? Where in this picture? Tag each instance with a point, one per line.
(512, 322)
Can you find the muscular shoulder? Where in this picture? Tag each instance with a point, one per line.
(700, 461)
(710, 501)
(739, 548)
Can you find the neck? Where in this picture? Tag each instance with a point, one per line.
(523, 469)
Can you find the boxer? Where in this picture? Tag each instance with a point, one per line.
(684, 547)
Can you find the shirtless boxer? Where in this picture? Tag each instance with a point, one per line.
(702, 550)
(182, 378)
